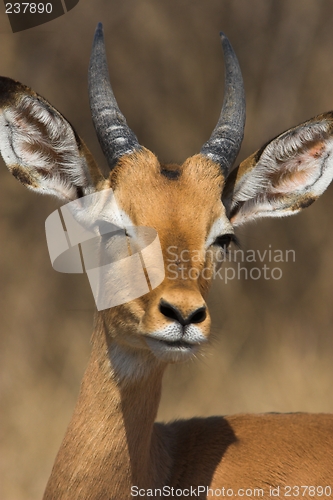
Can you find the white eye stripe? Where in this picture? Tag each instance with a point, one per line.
(219, 227)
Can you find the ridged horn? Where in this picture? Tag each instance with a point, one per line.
(114, 135)
(226, 139)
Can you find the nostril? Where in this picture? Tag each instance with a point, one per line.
(198, 316)
(172, 312)
(169, 310)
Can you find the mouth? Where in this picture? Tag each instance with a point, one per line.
(172, 351)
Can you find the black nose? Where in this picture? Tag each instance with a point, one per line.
(172, 312)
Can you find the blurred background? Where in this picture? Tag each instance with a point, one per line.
(273, 341)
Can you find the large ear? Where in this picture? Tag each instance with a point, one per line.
(40, 147)
(284, 176)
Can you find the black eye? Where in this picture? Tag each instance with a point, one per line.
(224, 241)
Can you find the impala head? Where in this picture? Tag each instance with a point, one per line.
(194, 207)
(173, 319)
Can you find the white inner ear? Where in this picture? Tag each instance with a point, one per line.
(295, 166)
(300, 162)
(41, 142)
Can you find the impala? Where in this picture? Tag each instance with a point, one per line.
(113, 449)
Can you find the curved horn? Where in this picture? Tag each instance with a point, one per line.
(114, 135)
(226, 139)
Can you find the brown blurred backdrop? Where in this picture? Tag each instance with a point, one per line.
(273, 341)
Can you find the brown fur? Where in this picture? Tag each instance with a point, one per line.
(112, 442)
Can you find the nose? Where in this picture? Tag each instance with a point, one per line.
(197, 315)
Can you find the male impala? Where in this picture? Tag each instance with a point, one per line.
(113, 449)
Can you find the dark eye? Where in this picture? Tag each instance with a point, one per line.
(224, 241)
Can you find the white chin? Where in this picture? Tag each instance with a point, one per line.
(172, 352)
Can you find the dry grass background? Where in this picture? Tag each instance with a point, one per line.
(273, 341)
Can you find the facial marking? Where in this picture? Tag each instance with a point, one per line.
(219, 227)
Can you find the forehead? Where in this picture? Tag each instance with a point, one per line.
(187, 197)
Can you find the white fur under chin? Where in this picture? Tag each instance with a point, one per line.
(127, 364)
(133, 364)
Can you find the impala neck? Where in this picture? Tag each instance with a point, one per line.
(111, 443)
